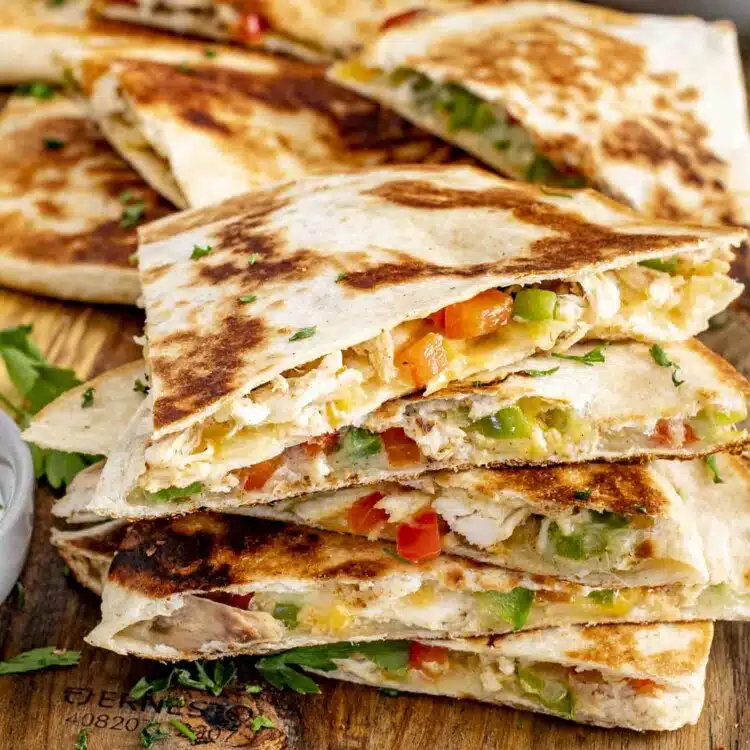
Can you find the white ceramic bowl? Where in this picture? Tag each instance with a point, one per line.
(17, 491)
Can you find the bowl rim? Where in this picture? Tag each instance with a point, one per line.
(19, 455)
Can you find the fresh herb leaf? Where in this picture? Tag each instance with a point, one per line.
(20, 593)
(590, 358)
(261, 722)
(390, 692)
(55, 3)
(38, 90)
(152, 733)
(53, 144)
(582, 494)
(143, 687)
(253, 689)
(210, 52)
(393, 553)
(641, 508)
(340, 277)
(177, 702)
(82, 743)
(253, 259)
(39, 658)
(710, 461)
(87, 400)
(661, 359)
(248, 298)
(303, 333)
(140, 387)
(134, 209)
(199, 252)
(539, 373)
(183, 729)
(186, 68)
(212, 678)
(512, 606)
(176, 493)
(133, 258)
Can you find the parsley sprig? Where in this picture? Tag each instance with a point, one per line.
(152, 733)
(133, 209)
(590, 358)
(82, 743)
(40, 658)
(212, 678)
(661, 359)
(39, 383)
(710, 462)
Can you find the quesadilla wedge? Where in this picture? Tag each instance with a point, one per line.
(207, 585)
(309, 29)
(569, 94)
(642, 677)
(615, 525)
(296, 310)
(67, 230)
(204, 128)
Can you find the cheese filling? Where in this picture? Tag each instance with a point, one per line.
(343, 387)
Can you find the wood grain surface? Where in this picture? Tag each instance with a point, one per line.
(48, 709)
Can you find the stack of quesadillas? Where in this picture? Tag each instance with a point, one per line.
(380, 433)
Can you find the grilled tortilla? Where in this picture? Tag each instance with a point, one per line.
(572, 94)
(667, 522)
(61, 205)
(642, 677)
(309, 29)
(319, 300)
(204, 128)
(207, 585)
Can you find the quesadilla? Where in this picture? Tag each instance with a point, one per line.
(642, 677)
(662, 523)
(309, 29)
(204, 124)
(207, 585)
(68, 205)
(572, 94)
(297, 310)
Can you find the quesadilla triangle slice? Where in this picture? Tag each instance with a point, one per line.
(298, 309)
(204, 127)
(67, 231)
(624, 401)
(207, 585)
(570, 94)
(642, 677)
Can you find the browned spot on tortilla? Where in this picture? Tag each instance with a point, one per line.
(644, 550)
(617, 645)
(205, 120)
(574, 241)
(102, 544)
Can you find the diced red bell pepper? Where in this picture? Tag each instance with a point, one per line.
(400, 448)
(402, 18)
(420, 654)
(419, 539)
(257, 475)
(364, 517)
(673, 435)
(251, 27)
(425, 359)
(321, 444)
(477, 316)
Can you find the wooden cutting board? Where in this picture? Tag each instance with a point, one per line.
(47, 710)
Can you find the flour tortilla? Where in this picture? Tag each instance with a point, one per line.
(201, 129)
(670, 658)
(347, 588)
(60, 207)
(611, 96)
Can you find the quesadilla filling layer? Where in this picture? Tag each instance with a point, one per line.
(401, 605)
(481, 127)
(664, 299)
(425, 667)
(501, 528)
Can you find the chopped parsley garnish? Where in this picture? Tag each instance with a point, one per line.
(303, 333)
(38, 90)
(253, 689)
(152, 733)
(133, 258)
(199, 252)
(340, 277)
(186, 68)
(87, 399)
(40, 658)
(248, 298)
(590, 358)
(261, 722)
(212, 677)
(177, 702)
(183, 729)
(20, 593)
(140, 387)
(641, 508)
(582, 494)
(133, 211)
(394, 554)
(556, 193)
(390, 692)
(538, 373)
(253, 259)
(176, 493)
(39, 384)
(661, 359)
(82, 743)
(710, 461)
(55, 3)
(53, 144)
(210, 52)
